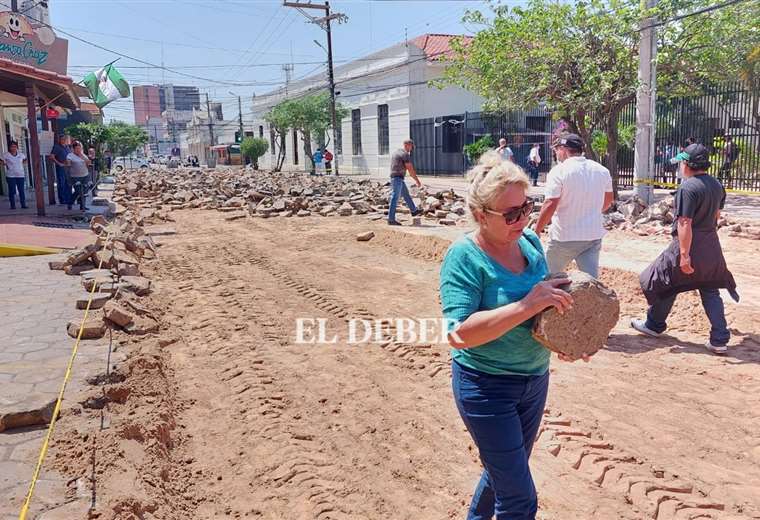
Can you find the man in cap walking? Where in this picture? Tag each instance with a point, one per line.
(578, 191)
(694, 260)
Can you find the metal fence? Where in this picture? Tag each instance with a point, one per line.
(728, 110)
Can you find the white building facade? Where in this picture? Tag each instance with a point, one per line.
(383, 93)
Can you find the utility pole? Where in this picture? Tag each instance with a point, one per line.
(240, 117)
(324, 23)
(331, 78)
(646, 95)
(210, 121)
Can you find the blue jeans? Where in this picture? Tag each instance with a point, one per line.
(80, 183)
(16, 184)
(62, 185)
(713, 305)
(399, 189)
(502, 414)
(584, 252)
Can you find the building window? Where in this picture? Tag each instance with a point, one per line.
(295, 146)
(451, 134)
(261, 131)
(339, 137)
(356, 131)
(383, 134)
(271, 140)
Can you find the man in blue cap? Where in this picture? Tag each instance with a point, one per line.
(694, 260)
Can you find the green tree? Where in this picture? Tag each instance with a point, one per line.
(125, 139)
(309, 116)
(253, 148)
(89, 134)
(279, 122)
(581, 59)
(474, 150)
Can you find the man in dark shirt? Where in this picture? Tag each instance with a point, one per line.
(58, 155)
(698, 202)
(401, 162)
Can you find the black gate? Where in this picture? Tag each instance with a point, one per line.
(728, 111)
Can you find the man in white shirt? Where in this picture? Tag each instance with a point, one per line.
(13, 161)
(534, 161)
(505, 151)
(577, 192)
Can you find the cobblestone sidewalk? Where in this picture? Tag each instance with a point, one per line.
(34, 350)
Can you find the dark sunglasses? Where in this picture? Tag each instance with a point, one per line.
(514, 215)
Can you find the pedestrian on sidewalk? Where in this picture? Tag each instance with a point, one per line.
(491, 287)
(730, 154)
(58, 155)
(78, 164)
(534, 161)
(317, 158)
(578, 191)
(401, 162)
(504, 151)
(694, 259)
(328, 161)
(14, 162)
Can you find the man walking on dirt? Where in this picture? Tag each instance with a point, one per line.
(401, 162)
(694, 259)
(577, 192)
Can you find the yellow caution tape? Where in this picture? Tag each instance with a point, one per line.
(57, 409)
(672, 185)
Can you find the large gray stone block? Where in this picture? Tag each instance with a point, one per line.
(584, 328)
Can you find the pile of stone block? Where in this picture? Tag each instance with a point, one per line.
(153, 194)
(633, 214)
(112, 283)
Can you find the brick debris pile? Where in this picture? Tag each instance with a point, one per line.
(155, 193)
(634, 215)
(111, 266)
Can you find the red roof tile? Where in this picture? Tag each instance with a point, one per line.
(437, 46)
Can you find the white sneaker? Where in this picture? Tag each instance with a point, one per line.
(641, 326)
(720, 350)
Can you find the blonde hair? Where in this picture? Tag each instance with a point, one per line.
(489, 178)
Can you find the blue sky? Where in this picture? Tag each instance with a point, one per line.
(242, 41)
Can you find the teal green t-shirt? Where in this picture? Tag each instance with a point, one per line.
(472, 281)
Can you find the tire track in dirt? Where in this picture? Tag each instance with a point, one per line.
(416, 357)
(245, 374)
(656, 493)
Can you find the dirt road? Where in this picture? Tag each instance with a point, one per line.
(225, 415)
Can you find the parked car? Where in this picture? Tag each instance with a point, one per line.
(119, 164)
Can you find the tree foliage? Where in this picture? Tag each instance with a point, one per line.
(474, 150)
(309, 116)
(253, 148)
(125, 139)
(580, 60)
(89, 134)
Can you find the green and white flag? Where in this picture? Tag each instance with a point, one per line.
(106, 85)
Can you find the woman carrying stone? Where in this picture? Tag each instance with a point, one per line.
(492, 284)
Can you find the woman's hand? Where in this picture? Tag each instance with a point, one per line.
(547, 294)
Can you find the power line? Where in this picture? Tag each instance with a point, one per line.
(694, 13)
(138, 60)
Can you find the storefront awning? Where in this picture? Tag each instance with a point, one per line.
(51, 85)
